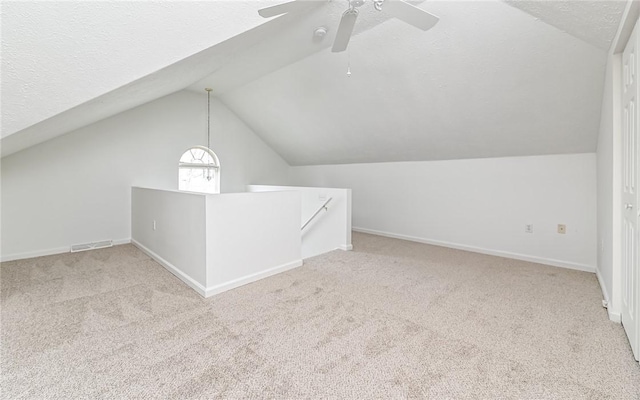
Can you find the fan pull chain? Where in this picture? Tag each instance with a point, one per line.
(348, 64)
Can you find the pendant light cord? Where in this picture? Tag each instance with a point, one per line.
(208, 127)
(208, 118)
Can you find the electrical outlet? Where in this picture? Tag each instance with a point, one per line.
(154, 224)
(528, 228)
(562, 228)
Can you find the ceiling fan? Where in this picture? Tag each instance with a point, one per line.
(396, 8)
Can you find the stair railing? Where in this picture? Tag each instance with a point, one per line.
(324, 206)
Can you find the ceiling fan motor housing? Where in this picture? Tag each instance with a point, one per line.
(320, 33)
(400, 9)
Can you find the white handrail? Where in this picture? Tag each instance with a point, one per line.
(316, 213)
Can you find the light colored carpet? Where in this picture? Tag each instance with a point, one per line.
(392, 319)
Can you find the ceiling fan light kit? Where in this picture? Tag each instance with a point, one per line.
(395, 8)
(320, 32)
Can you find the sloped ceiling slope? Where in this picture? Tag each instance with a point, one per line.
(491, 79)
(60, 55)
(487, 81)
(594, 22)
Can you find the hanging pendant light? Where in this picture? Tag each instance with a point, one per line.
(208, 90)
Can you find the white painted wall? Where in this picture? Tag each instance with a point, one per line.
(218, 242)
(609, 185)
(329, 230)
(251, 236)
(479, 204)
(179, 237)
(77, 188)
(609, 168)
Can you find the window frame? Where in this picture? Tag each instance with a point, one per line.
(215, 166)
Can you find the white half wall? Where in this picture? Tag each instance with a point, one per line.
(479, 205)
(329, 230)
(171, 227)
(218, 242)
(76, 188)
(251, 236)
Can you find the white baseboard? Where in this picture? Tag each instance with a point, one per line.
(172, 268)
(481, 250)
(346, 247)
(48, 252)
(605, 293)
(33, 254)
(614, 316)
(223, 287)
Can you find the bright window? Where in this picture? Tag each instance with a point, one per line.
(199, 171)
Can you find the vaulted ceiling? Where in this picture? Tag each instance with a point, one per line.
(492, 78)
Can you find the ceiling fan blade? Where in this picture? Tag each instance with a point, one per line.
(345, 30)
(279, 9)
(411, 14)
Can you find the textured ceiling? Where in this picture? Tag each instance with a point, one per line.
(34, 104)
(287, 46)
(595, 22)
(488, 80)
(59, 54)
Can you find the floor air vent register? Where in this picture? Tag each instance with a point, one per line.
(91, 246)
